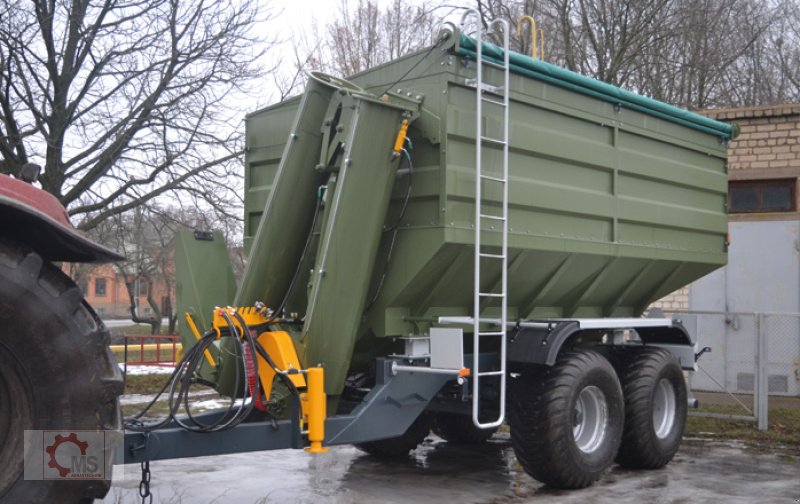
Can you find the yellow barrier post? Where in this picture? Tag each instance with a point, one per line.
(315, 398)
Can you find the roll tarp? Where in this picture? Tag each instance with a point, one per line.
(552, 74)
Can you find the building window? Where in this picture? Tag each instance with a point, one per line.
(99, 286)
(84, 285)
(746, 196)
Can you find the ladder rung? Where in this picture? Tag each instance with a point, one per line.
(493, 256)
(496, 179)
(491, 333)
(493, 64)
(491, 373)
(493, 217)
(494, 102)
(492, 294)
(492, 140)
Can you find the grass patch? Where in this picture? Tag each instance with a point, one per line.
(145, 383)
(783, 431)
(158, 410)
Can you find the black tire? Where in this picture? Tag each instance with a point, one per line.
(56, 372)
(652, 378)
(460, 429)
(544, 412)
(401, 445)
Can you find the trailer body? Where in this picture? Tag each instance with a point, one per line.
(612, 205)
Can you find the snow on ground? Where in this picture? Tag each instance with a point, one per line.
(145, 370)
(129, 399)
(128, 322)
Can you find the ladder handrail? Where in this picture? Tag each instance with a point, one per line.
(503, 26)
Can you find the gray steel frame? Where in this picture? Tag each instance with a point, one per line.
(387, 411)
(393, 404)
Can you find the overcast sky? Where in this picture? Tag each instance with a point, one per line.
(292, 18)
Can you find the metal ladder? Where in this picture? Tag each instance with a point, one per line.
(483, 217)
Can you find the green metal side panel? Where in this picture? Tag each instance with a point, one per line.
(267, 131)
(203, 279)
(610, 208)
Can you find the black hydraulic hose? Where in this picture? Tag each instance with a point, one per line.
(407, 157)
(393, 228)
(240, 413)
(181, 380)
(182, 367)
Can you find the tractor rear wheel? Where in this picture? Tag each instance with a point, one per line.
(460, 429)
(566, 420)
(56, 373)
(655, 408)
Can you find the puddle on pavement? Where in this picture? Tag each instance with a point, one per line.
(441, 472)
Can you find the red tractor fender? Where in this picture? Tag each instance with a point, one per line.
(35, 218)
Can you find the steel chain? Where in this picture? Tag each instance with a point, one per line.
(144, 485)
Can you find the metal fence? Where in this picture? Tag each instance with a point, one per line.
(148, 350)
(755, 359)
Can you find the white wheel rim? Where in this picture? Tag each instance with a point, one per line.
(663, 408)
(590, 419)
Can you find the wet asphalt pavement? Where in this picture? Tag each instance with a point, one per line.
(440, 472)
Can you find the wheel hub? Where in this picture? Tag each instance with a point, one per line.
(663, 408)
(590, 419)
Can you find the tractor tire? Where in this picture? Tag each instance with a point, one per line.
(459, 429)
(655, 408)
(566, 420)
(56, 373)
(401, 445)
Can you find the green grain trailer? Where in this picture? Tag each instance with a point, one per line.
(490, 264)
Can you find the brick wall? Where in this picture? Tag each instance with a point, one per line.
(768, 147)
(677, 301)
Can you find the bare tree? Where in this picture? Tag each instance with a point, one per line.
(122, 102)
(366, 36)
(693, 53)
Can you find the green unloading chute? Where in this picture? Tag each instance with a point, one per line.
(314, 249)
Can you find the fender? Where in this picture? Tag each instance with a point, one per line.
(541, 343)
(36, 219)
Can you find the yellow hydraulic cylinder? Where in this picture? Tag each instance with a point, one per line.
(315, 409)
(401, 137)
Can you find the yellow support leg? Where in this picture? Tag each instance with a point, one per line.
(315, 401)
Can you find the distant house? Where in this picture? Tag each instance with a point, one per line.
(104, 288)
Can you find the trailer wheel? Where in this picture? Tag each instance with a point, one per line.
(455, 428)
(56, 372)
(655, 408)
(566, 420)
(401, 445)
